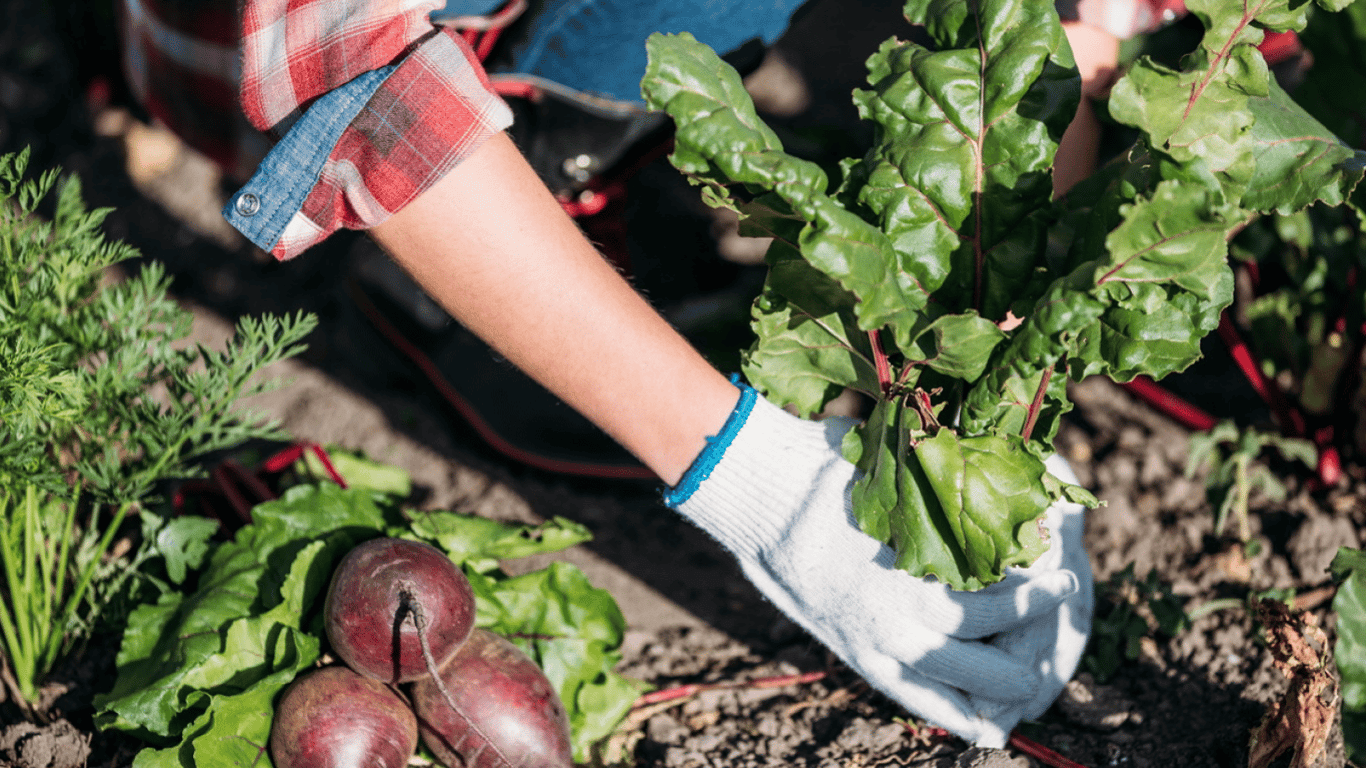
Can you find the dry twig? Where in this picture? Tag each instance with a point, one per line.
(1304, 718)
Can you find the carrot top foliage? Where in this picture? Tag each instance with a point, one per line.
(101, 399)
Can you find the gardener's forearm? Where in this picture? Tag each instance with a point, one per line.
(493, 246)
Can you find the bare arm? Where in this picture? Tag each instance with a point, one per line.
(1097, 55)
(493, 246)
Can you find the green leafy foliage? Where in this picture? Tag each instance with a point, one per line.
(100, 400)
(1340, 67)
(939, 278)
(1306, 317)
(98, 374)
(199, 671)
(1305, 307)
(1349, 569)
(1232, 454)
(359, 471)
(1128, 610)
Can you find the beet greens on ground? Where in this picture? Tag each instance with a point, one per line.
(200, 671)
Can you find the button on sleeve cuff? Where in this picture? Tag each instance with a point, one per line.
(271, 200)
(363, 151)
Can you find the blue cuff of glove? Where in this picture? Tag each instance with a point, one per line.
(717, 444)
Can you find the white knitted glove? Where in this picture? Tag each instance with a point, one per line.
(1052, 645)
(774, 490)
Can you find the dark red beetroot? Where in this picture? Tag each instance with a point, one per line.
(507, 714)
(334, 718)
(378, 594)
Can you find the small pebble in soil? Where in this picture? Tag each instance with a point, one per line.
(1086, 703)
(665, 729)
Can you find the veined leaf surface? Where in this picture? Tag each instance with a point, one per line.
(939, 278)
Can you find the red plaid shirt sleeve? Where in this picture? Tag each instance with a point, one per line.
(434, 109)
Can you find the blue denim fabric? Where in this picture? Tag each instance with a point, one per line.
(262, 208)
(598, 46)
(471, 7)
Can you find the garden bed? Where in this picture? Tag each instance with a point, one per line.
(1191, 699)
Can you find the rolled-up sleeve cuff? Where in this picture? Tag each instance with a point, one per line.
(270, 202)
(364, 150)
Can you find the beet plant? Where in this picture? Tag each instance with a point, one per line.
(202, 673)
(938, 277)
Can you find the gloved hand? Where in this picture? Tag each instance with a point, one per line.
(1053, 644)
(774, 490)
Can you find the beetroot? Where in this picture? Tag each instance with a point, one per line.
(381, 593)
(506, 714)
(335, 718)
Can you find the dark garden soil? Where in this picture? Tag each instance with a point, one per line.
(1188, 700)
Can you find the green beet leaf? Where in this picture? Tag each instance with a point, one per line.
(723, 141)
(959, 173)
(1299, 161)
(573, 630)
(359, 471)
(960, 510)
(310, 509)
(1349, 567)
(235, 730)
(805, 360)
(809, 345)
(1225, 112)
(959, 345)
(990, 490)
(479, 543)
(223, 635)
